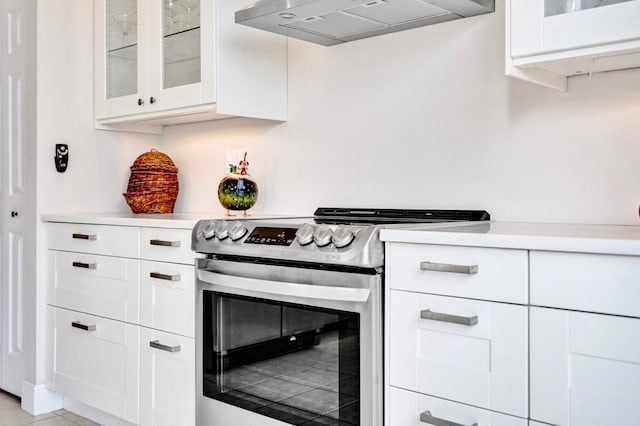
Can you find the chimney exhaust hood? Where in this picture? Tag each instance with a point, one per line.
(330, 22)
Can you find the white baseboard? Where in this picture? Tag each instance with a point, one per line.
(94, 414)
(38, 399)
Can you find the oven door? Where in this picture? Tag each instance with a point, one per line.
(279, 345)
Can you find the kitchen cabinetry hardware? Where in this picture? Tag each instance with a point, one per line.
(445, 267)
(14, 213)
(164, 243)
(157, 345)
(85, 265)
(81, 326)
(426, 417)
(91, 237)
(152, 100)
(140, 101)
(454, 319)
(166, 277)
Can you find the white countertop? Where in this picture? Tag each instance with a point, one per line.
(174, 220)
(606, 239)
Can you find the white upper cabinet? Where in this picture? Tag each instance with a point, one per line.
(550, 40)
(177, 61)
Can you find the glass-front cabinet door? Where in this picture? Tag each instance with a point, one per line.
(153, 55)
(181, 53)
(557, 7)
(120, 64)
(552, 26)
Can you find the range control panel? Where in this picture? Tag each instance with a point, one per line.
(271, 236)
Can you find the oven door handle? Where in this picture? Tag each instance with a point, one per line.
(341, 294)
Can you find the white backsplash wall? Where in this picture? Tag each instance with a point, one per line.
(423, 118)
(427, 119)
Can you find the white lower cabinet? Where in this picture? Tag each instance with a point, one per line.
(96, 361)
(123, 320)
(470, 351)
(528, 324)
(585, 368)
(167, 379)
(414, 409)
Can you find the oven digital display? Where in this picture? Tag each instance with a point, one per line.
(271, 236)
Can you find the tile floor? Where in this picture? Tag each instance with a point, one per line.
(12, 415)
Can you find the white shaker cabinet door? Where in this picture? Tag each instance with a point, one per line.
(167, 297)
(167, 379)
(413, 409)
(96, 362)
(585, 368)
(481, 363)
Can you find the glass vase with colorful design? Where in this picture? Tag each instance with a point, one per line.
(237, 191)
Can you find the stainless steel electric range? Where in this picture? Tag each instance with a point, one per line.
(289, 316)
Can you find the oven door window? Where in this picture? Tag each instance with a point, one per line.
(298, 364)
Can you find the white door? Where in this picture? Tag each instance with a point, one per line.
(585, 368)
(17, 177)
(167, 379)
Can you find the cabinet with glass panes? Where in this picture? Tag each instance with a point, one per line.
(550, 40)
(172, 61)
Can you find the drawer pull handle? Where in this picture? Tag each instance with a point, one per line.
(445, 267)
(455, 319)
(426, 417)
(157, 345)
(167, 277)
(164, 243)
(85, 265)
(81, 326)
(91, 237)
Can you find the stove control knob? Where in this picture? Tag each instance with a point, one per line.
(221, 229)
(208, 230)
(237, 230)
(342, 236)
(322, 235)
(304, 234)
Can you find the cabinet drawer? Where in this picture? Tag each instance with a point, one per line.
(501, 274)
(100, 285)
(167, 297)
(166, 245)
(482, 363)
(586, 282)
(167, 379)
(97, 365)
(96, 239)
(406, 408)
(585, 368)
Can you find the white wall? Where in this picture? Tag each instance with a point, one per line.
(426, 119)
(423, 118)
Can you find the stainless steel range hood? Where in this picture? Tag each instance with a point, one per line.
(330, 22)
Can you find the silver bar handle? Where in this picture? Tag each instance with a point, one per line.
(446, 267)
(166, 277)
(81, 326)
(426, 417)
(85, 265)
(164, 243)
(455, 319)
(91, 237)
(157, 345)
